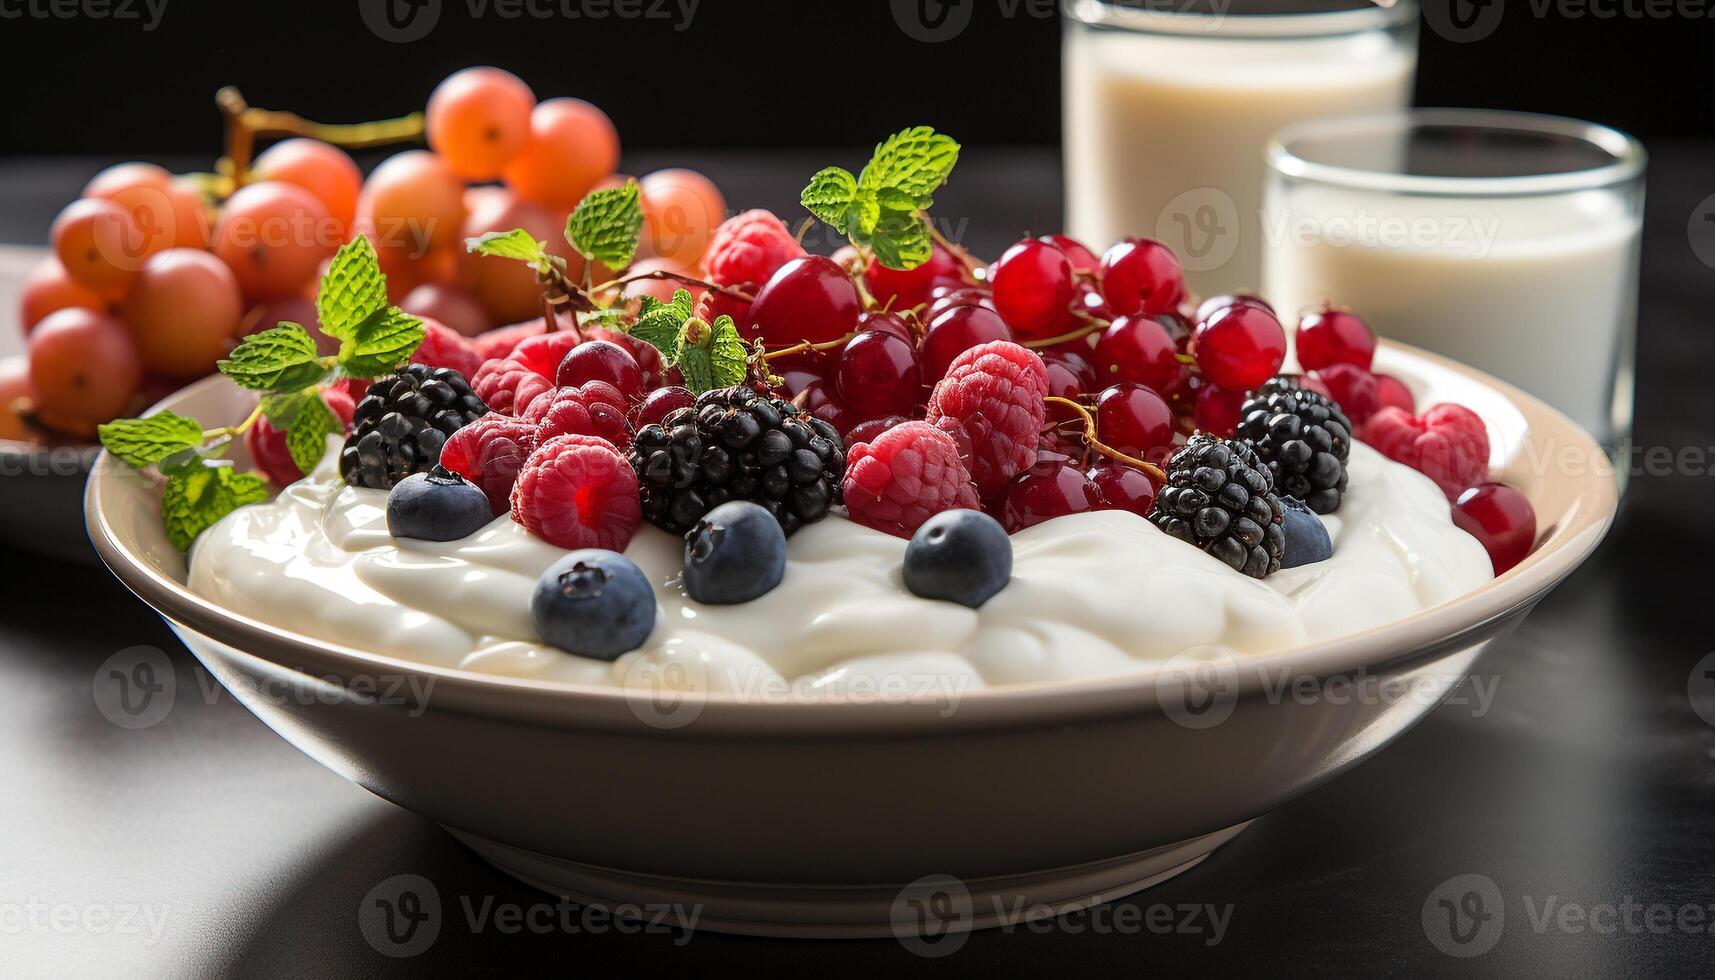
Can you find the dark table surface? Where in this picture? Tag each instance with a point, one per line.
(1581, 786)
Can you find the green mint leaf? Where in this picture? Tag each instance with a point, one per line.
(894, 199)
(902, 242)
(607, 225)
(830, 195)
(514, 244)
(914, 162)
(381, 342)
(281, 359)
(353, 289)
(307, 435)
(610, 317)
(659, 323)
(728, 357)
(147, 441)
(692, 357)
(197, 497)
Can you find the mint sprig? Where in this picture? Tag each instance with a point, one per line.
(708, 355)
(607, 225)
(283, 366)
(882, 208)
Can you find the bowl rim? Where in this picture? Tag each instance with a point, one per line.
(1421, 635)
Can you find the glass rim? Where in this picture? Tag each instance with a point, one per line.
(1241, 27)
(1628, 158)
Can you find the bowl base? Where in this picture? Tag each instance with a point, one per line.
(922, 911)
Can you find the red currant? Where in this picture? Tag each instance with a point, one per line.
(1137, 348)
(818, 399)
(1354, 389)
(891, 323)
(1135, 420)
(904, 289)
(1082, 259)
(868, 431)
(1141, 276)
(877, 374)
(1032, 287)
(1217, 411)
(807, 299)
(1124, 487)
(1047, 490)
(1329, 336)
(956, 331)
(1501, 518)
(1216, 304)
(1240, 347)
(601, 360)
(663, 402)
(944, 298)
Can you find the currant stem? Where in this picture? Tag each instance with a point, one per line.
(1153, 471)
(969, 261)
(727, 291)
(806, 346)
(245, 123)
(1092, 324)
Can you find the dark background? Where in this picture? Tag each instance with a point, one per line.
(748, 72)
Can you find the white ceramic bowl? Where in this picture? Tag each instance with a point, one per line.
(824, 819)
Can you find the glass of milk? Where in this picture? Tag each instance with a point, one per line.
(1169, 103)
(1505, 240)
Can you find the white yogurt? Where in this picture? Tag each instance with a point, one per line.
(1091, 594)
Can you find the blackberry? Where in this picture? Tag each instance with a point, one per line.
(402, 423)
(1219, 496)
(1304, 439)
(737, 444)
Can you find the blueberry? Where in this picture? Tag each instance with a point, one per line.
(594, 603)
(1307, 540)
(436, 506)
(735, 553)
(963, 556)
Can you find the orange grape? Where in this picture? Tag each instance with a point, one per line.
(14, 388)
(184, 311)
(323, 169)
(452, 305)
(413, 201)
(169, 211)
(506, 288)
(572, 145)
(273, 236)
(681, 210)
(84, 366)
(100, 246)
(479, 119)
(126, 176)
(48, 289)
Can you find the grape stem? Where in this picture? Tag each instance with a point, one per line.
(1151, 470)
(245, 123)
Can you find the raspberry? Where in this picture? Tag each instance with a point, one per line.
(577, 491)
(594, 408)
(267, 444)
(991, 402)
(749, 247)
(544, 352)
(443, 346)
(489, 453)
(1449, 444)
(509, 385)
(907, 475)
(501, 341)
(1352, 388)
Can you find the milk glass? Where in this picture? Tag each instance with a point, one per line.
(1168, 105)
(1508, 241)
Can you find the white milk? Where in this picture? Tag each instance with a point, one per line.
(1539, 291)
(1164, 133)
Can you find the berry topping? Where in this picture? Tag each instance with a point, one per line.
(436, 506)
(809, 298)
(1141, 276)
(576, 491)
(1501, 518)
(662, 402)
(1240, 347)
(1449, 444)
(749, 248)
(502, 341)
(956, 330)
(594, 409)
(1307, 540)
(735, 553)
(1032, 287)
(1077, 253)
(1220, 498)
(735, 444)
(1354, 389)
(877, 374)
(1216, 410)
(1392, 392)
(961, 556)
(1136, 421)
(1215, 304)
(601, 360)
(911, 288)
(444, 347)
(267, 442)
(508, 385)
(1303, 438)
(868, 431)
(1050, 488)
(1137, 348)
(1329, 336)
(1123, 487)
(594, 603)
(991, 401)
(403, 421)
(908, 474)
(489, 453)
